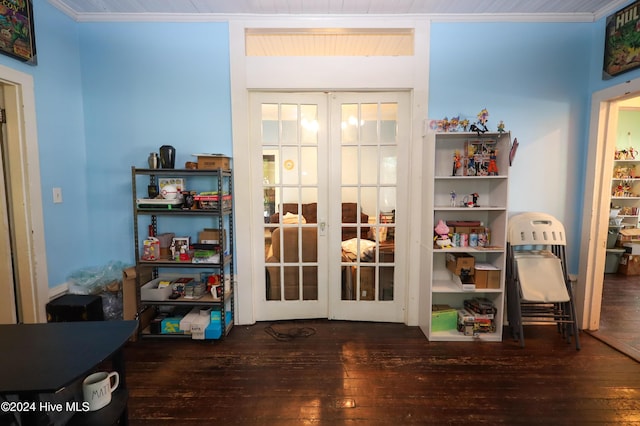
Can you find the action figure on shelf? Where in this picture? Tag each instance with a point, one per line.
(481, 125)
(493, 166)
(456, 162)
(442, 239)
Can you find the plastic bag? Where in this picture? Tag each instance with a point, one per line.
(95, 280)
(105, 281)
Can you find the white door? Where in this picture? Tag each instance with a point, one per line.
(330, 194)
(369, 158)
(8, 313)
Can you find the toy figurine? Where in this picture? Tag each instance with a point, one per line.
(442, 239)
(501, 127)
(456, 162)
(481, 125)
(454, 123)
(483, 117)
(445, 124)
(464, 123)
(471, 166)
(493, 167)
(453, 198)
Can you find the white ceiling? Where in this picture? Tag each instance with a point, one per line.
(543, 10)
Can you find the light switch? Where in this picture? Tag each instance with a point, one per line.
(57, 195)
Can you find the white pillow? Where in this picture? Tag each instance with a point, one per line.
(351, 246)
(293, 218)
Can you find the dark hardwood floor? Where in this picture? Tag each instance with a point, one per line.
(354, 373)
(620, 313)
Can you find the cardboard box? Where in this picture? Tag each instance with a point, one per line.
(212, 236)
(443, 318)
(150, 291)
(187, 320)
(144, 320)
(214, 329)
(487, 276)
(213, 161)
(198, 327)
(130, 301)
(467, 229)
(171, 325)
(629, 264)
(628, 235)
(459, 261)
(367, 282)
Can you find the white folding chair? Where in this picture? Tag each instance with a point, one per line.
(538, 286)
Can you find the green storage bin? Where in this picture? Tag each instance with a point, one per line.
(443, 318)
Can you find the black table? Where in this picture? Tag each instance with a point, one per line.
(45, 358)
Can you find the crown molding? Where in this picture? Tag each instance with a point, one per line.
(216, 17)
(612, 7)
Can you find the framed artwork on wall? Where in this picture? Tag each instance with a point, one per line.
(622, 41)
(17, 36)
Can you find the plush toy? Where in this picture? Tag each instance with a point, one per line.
(442, 235)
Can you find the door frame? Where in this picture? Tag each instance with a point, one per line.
(595, 210)
(356, 74)
(25, 196)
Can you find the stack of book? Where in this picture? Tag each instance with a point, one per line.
(478, 316)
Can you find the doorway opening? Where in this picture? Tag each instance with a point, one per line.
(605, 148)
(24, 289)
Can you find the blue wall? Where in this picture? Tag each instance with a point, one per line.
(147, 85)
(534, 77)
(107, 94)
(61, 142)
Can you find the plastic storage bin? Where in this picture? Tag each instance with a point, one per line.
(613, 260)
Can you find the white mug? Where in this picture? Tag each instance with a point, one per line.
(97, 388)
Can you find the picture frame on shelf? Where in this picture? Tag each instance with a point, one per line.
(180, 248)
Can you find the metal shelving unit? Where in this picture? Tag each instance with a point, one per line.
(221, 215)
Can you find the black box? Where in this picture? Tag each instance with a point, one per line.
(75, 307)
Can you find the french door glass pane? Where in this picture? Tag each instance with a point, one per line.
(388, 165)
(388, 122)
(290, 179)
(309, 124)
(270, 129)
(369, 179)
(349, 123)
(369, 165)
(289, 123)
(309, 165)
(369, 124)
(349, 164)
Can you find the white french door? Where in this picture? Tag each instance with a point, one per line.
(331, 200)
(369, 154)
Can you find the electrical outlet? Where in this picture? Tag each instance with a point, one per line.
(57, 195)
